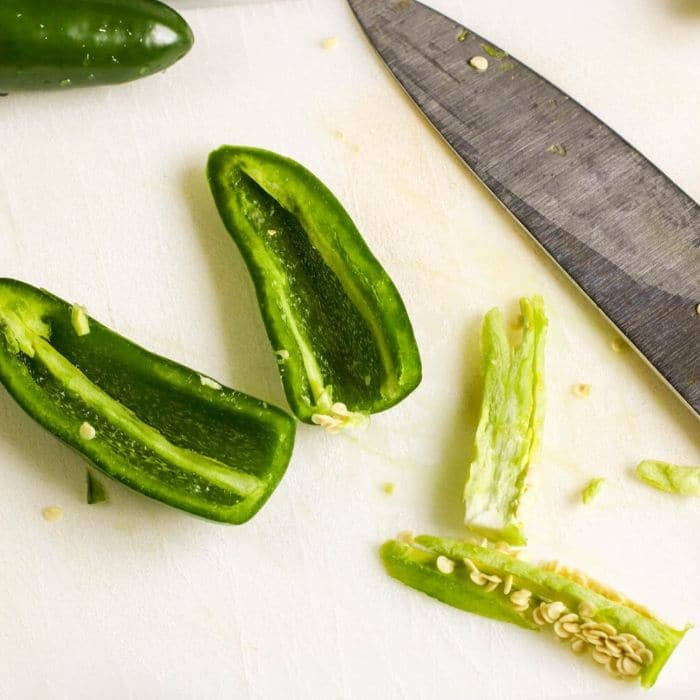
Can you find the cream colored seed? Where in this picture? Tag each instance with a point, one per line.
(561, 632)
(646, 656)
(635, 657)
(578, 646)
(508, 584)
(569, 617)
(444, 565)
(479, 63)
(521, 608)
(628, 667)
(553, 611)
(52, 513)
(521, 599)
(602, 657)
(478, 578)
(612, 648)
(87, 432)
(570, 627)
(471, 566)
(491, 586)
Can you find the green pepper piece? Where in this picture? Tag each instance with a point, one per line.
(670, 477)
(510, 427)
(592, 489)
(619, 634)
(160, 428)
(94, 491)
(52, 44)
(343, 339)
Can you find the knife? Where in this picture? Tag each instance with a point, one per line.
(619, 228)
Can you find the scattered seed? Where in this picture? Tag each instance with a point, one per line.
(583, 391)
(479, 63)
(271, 232)
(52, 514)
(444, 565)
(388, 488)
(618, 345)
(697, 309)
(508, 584)
(330, 42)
(87, 432)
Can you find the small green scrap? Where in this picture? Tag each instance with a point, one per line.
(95, 491)
(463, 34)
(684, 481)
(591, 490)
(506, 66)
(494, 52)
(79, 320)
(557, 149)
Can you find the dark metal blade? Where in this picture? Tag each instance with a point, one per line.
(616, 224)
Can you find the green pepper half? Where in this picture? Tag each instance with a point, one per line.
(160, 428)
(590, 618)
(342, 337)
(57, 44)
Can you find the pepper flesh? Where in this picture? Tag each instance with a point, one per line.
(153, 424)
(510, 426)
(52, 44)
(671, 478)
(344, 343)
(415, 565)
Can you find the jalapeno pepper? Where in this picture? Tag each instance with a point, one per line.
(48, 44)
(343, 340)
(160, 428)
(590, 618)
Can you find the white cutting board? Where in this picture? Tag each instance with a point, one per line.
(103, 201)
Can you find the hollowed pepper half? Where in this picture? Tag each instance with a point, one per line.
(343, 340)
(156, 426)
(625, 638)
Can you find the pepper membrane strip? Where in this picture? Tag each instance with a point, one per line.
(510, 426)
(415, 564)
(334, 317)
(158, 427)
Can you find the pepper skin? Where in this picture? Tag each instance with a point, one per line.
(156, 426)
(56, 44)
(343, 340)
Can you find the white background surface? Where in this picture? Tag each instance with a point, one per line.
(103, 201)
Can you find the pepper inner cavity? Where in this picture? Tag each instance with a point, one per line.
(344, 348)
(30, 339)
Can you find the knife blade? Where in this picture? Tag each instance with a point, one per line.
(620, 229)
